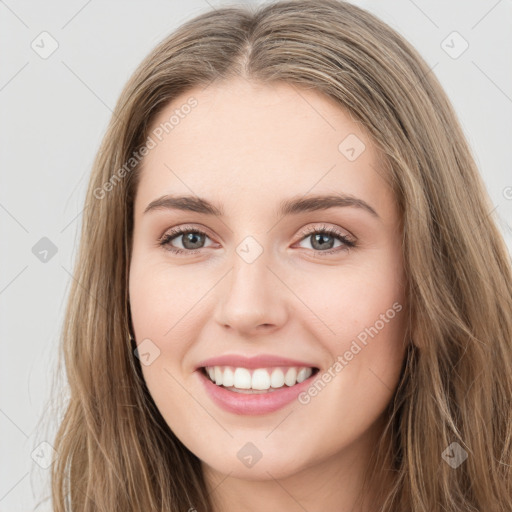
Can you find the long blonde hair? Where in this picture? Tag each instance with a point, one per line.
(116, 452)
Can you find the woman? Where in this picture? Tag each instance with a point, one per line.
(296, 296)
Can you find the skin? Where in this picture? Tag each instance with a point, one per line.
(247, 147)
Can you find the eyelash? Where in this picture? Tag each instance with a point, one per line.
(174, 233)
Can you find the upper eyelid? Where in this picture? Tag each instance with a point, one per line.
(329, 228)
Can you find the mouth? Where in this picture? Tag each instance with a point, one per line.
(259, 380)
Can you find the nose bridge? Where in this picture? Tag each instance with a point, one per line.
(251, 296)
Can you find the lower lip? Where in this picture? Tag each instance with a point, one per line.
(251, 404)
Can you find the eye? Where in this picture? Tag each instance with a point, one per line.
(192, 240)
(322, 240)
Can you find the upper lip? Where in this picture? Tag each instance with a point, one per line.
(259, 361)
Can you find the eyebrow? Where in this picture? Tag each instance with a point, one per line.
(292, 206)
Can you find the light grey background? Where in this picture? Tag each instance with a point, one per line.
(54, 112)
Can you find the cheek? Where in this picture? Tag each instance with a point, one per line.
(365, 313)
(362, 327)
(162, 328)
(160, 298)
(156, 312)
(349, 302)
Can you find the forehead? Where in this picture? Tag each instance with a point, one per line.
(250, 145)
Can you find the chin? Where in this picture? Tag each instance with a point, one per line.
(266, 468)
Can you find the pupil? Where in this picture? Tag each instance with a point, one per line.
(317, 240)
(190, 238)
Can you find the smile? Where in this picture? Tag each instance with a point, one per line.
(259, 380)
(245, 391)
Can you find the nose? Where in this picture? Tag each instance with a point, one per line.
(251, 299)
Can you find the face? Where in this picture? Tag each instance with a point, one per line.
(256, 291)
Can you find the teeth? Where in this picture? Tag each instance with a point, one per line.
(260, 379)
(277, 378)
(291, 377)
(218, 375)
(242, 378)
(303, 374)
(228, 378)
